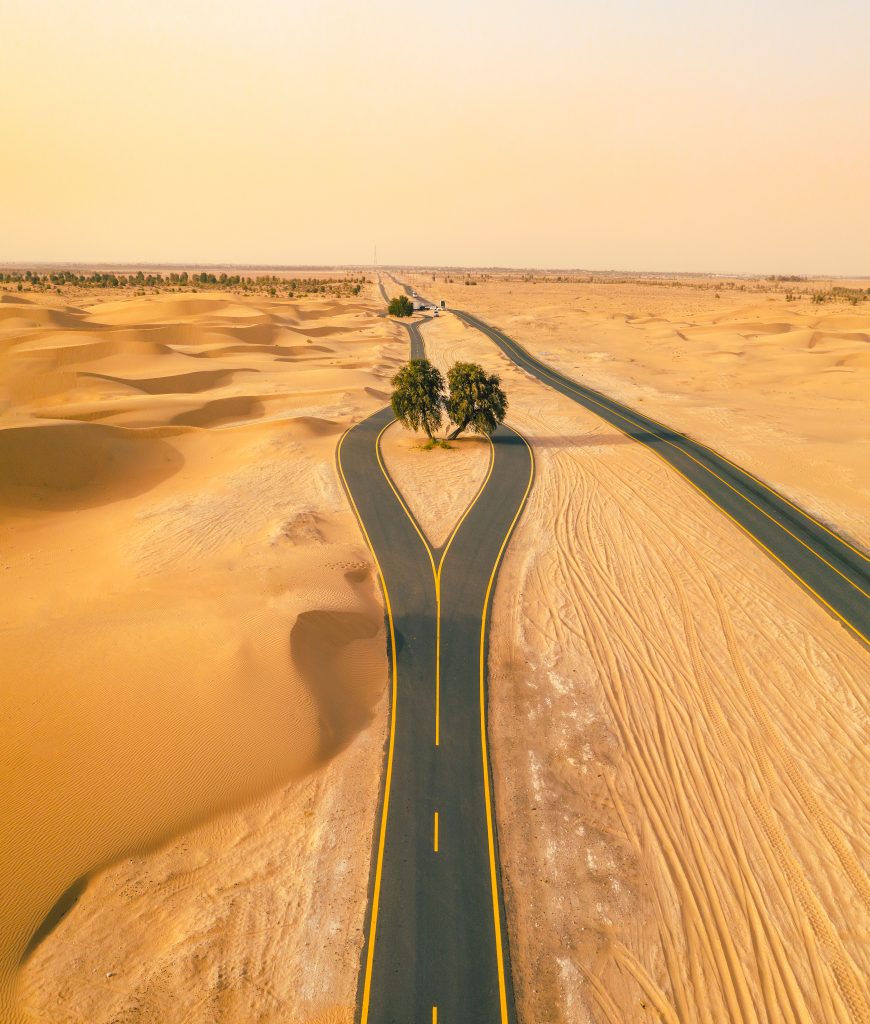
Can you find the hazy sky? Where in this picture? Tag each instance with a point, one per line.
(648, 134)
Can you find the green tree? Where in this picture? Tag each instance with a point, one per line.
(476, 399)
(401, 306)
(418, 396)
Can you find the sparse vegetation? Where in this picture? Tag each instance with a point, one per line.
(135, 282)
(838, 293)
(400, 306)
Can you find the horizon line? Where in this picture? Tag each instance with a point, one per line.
(124, 265)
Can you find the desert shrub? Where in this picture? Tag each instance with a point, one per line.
(401, 306)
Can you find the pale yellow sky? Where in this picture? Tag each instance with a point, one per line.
(706, 135)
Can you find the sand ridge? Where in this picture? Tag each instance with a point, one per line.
(678, 746)
(191, 623)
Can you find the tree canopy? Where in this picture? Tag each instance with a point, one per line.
(418, 396)
(476, 400)
(401, 306)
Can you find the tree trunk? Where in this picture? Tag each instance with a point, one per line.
(457, 432)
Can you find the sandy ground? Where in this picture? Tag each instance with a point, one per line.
(781, 387)
(194, 701)
(679, 742)
(439, 484)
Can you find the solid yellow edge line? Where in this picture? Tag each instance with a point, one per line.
(745, 529)
(379, 865)
(490, 834)
(706, 447)
(435, 841)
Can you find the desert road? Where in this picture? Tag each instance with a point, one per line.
(832, 570)
(436, 942)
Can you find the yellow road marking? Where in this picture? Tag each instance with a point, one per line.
(746, 530)
(436, 832)
(376, 894)
(436, 570)
(434, 1015)
(496, 914)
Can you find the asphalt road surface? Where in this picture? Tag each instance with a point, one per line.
(436, 942)
(418, 349)
(831, 569)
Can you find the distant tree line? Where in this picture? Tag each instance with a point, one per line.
(841, 294)
(58, 280)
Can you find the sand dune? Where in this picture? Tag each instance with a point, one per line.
(178, 383)
(679, 748)
(190, 624)
(73, 466)
(11, 316)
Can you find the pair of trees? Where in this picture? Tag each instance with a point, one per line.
(475, 399)
(401, 306)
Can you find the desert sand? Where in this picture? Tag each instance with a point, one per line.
(679, 745)
(194, 701)
(438, 484)
(193, 640)
(753, 368)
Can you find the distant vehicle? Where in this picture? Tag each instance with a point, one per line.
(436, 311)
